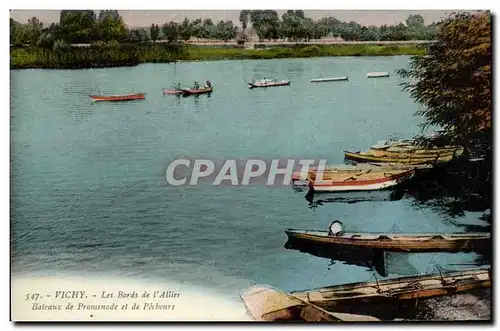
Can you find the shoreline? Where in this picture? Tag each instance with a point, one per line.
(130, 56)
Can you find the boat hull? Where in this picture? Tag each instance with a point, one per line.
(377, 74)
(187, 92)
(332, 79)
(111, 98)
(400, 158)
(361, 185)
(267, 304)
(386, 298)
(409, 243)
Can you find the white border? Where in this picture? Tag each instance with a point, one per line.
(195, 4)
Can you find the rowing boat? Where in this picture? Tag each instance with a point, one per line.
(364, 181)
(172, 92)
(265, 303)
(127, 97)
(204, 90)
(394, 292)
(400, 242)
(377, 74)
(301, 177)
(329, 79)
(404, 158)
(268, 83)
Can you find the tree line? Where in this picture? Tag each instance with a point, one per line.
(294, 25)
(84, 26)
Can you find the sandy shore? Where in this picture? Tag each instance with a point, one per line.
(92, 299)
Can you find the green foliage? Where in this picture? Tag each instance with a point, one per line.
(154, 32)
(170, 31)
(110, 26)
(77, 26)
(453, 81)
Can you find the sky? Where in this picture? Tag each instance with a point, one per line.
(143, 18)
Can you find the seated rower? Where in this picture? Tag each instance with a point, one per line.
(336, 229)
(196, 86)
(208, 84)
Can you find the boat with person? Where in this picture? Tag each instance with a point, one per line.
(336, 238)
(197, 90)
(377, 74)
(329, 79)
(124, 97)
(265, 303)
(386, 295)
(268, 83)
(363, 181)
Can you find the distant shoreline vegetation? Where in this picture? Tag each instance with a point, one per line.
(116, 55)
(110, 43)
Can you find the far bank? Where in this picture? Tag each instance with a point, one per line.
(112, 55)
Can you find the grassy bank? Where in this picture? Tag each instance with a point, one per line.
(226, 53)
(130, 55)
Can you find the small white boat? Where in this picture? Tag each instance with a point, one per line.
(329, 79)
(377, 74)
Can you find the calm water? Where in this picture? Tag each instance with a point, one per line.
(87, 179)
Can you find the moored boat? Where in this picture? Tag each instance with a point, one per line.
(377, 74)
(268, 83)
(394, 292)
(364, 181)
(329, 79)
(396, 242)
(265, 303)
(126, 97)
(399, 157)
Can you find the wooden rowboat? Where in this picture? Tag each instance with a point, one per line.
(204, 90)
(268, 83)
(265, 303)
(400, 242)
(403, 158)
(330, 79)
(301, 178)
(394, 292)
(377, 74)
(128, 97)
(172, 92)
(365, 181)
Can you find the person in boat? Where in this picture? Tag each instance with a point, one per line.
(178, 86)
(208, 84)
(336, 229)
(196, 86)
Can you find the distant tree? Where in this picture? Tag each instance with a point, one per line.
(415, 20)
(170, 31)
(77, 26)
(110, 26)
(453, 81)
(266, 23)
(185, 30)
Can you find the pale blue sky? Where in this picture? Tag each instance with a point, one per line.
(139, 18)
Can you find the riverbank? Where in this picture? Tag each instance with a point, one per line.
(130, 55)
